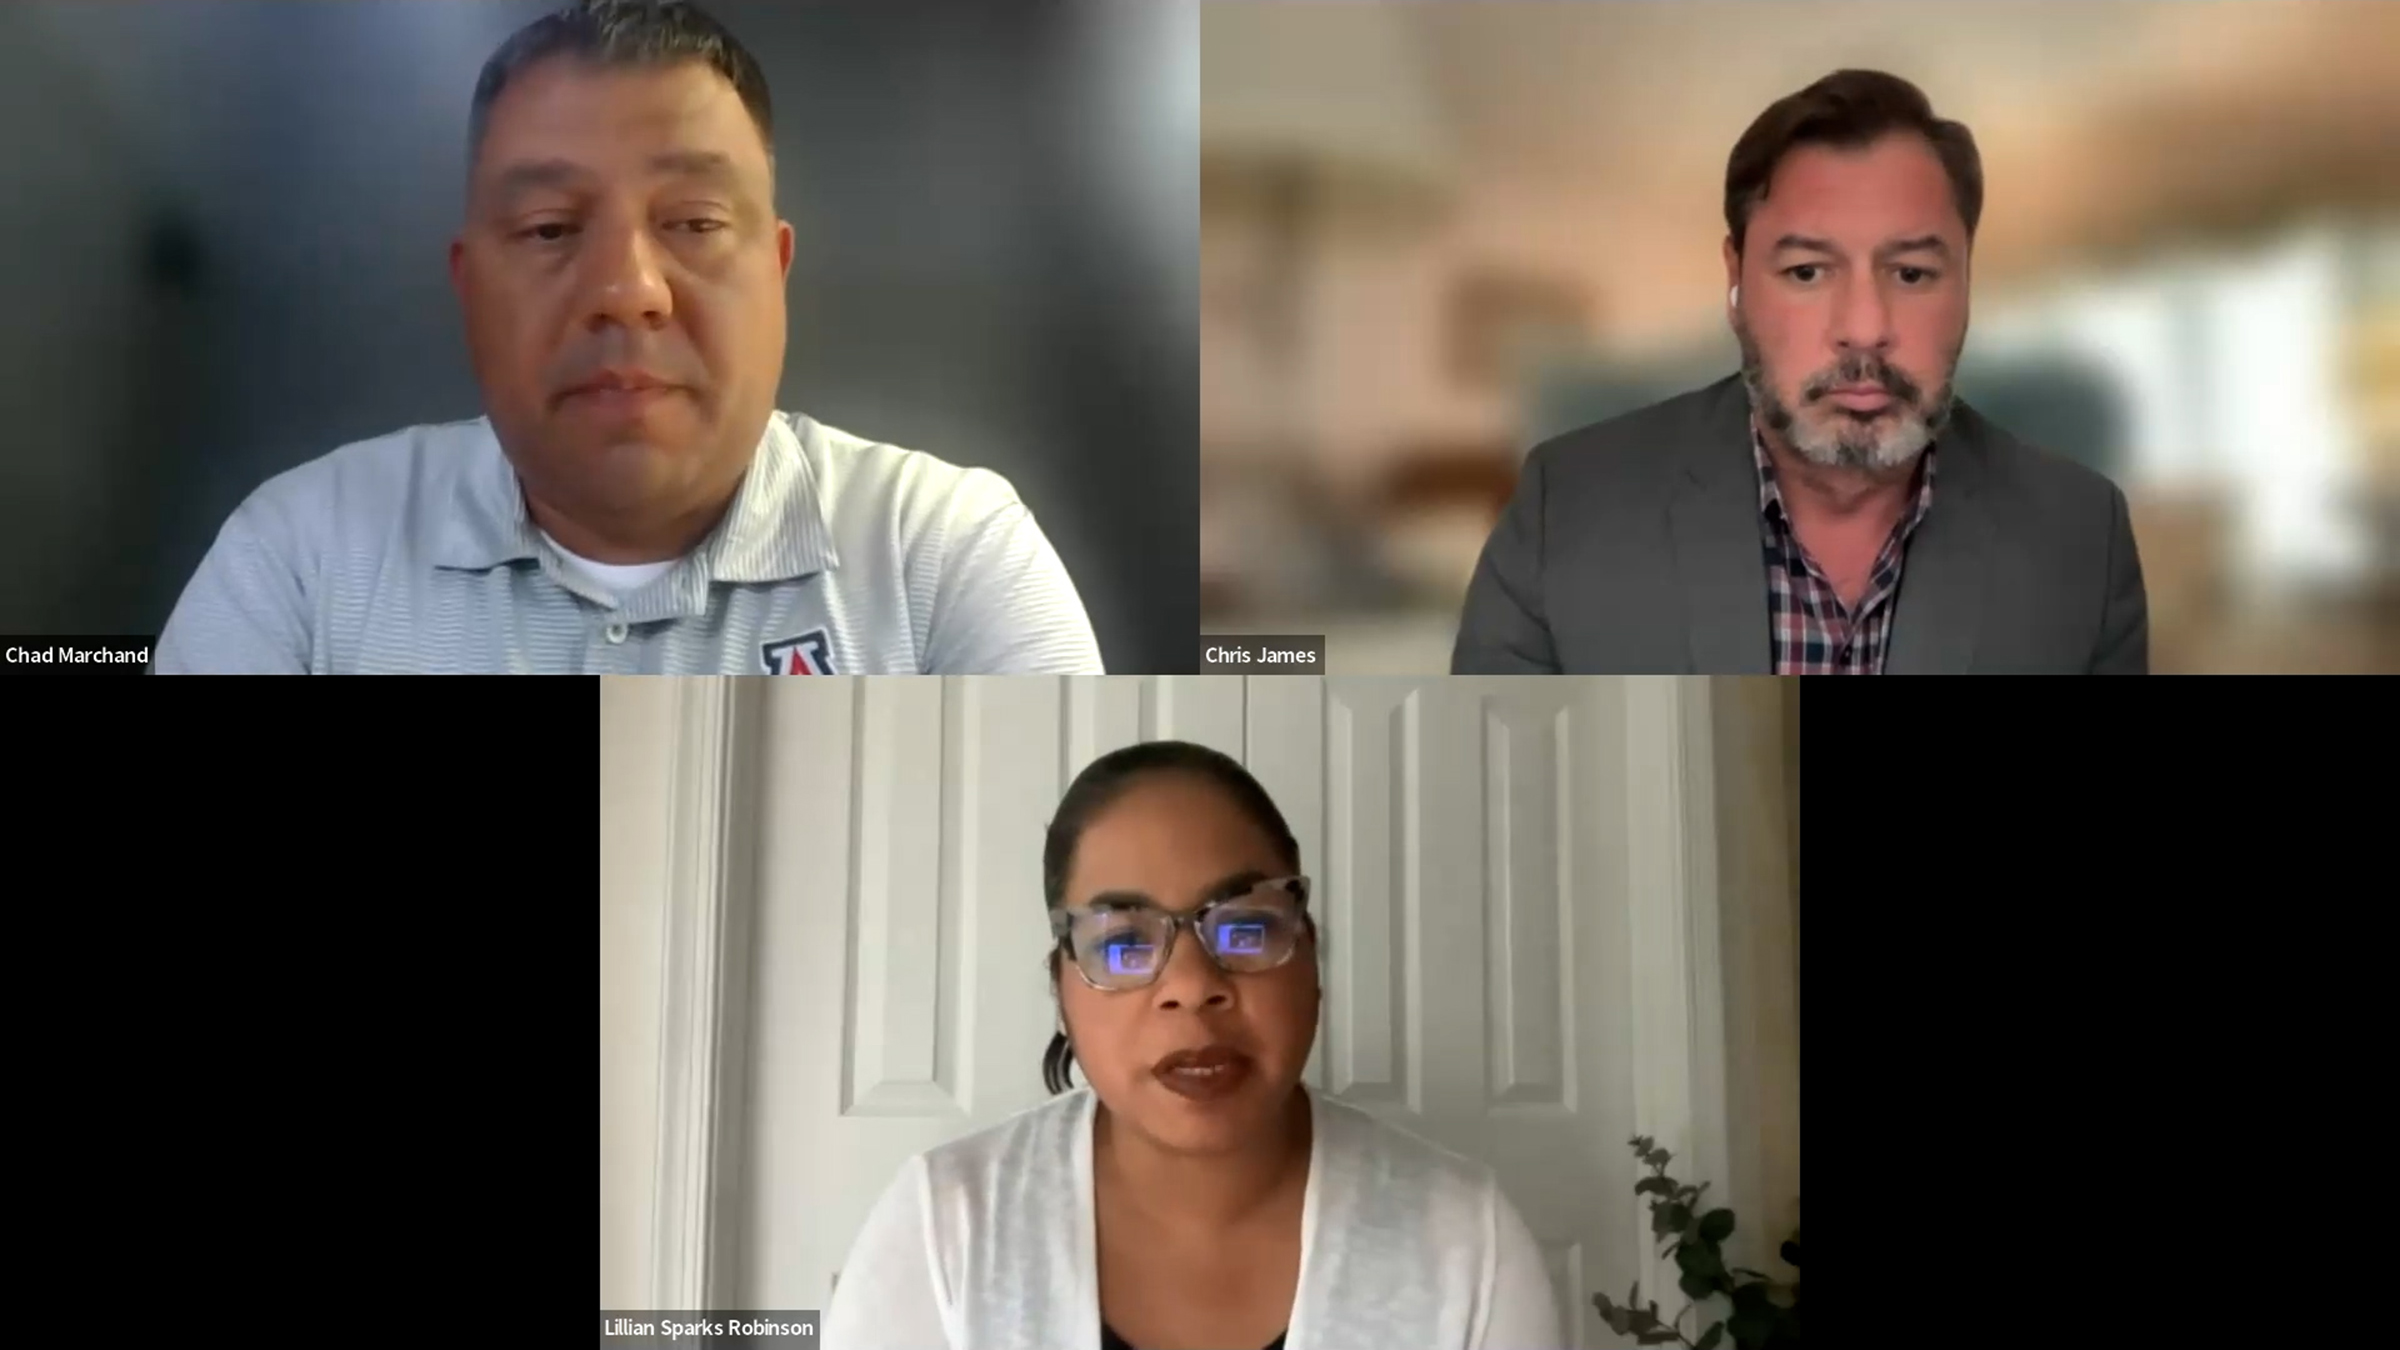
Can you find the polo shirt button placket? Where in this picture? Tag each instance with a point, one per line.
(613, 658)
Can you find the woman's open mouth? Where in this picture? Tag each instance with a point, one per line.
(1206, 1074)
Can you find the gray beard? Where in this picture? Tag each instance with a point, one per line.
(1882, 446)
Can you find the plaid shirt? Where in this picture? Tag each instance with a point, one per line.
(1813, 633)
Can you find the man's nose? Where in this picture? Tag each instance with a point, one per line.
(1862, 315)
(624, 283)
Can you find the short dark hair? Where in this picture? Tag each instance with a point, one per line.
(1101, 783)
(1848, 109)
(624, 33)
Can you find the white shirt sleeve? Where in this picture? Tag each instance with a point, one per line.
(890, 1294)
(1524, 1314)
(1003, 603)
(245, 611)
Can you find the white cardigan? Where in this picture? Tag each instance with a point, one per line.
(985, 1243)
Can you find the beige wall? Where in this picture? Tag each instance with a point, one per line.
(636, 731)
(1758, 877)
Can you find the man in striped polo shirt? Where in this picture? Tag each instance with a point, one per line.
(633, 502)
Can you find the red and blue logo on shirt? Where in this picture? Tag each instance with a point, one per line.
(811, 653)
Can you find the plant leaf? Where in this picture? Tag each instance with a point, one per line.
(1679, 1217)
(1791, 1251)
(1695, 1288)
(1709, 1339)
(1717, 1225)
(1754, 1274)
(1658, 1338)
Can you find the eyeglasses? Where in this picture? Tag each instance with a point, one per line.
(1123, 942)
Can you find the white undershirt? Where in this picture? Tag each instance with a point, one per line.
(618, 579)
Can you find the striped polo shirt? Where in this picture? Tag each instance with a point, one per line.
(412, 554)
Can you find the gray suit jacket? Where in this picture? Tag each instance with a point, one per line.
(1632, 547)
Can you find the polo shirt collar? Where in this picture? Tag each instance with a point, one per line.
(486, 524)
(775, 530)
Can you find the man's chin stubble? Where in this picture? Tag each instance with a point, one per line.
(1825, 445)
(1883, 456)
(1832, 451)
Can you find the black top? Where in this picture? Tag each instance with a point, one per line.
(1110, 1340)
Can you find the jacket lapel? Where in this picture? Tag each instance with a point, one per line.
(1940, 613)
(1713, 524)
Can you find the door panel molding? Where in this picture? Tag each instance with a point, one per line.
(1677, 974)
(704, 985)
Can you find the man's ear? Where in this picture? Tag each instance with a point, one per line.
(1733, 282)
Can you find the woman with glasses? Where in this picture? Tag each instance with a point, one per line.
(1195, 1195)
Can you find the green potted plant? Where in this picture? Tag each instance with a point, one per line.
(1766, 1314)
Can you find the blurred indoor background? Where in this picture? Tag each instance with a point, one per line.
(222, 237)
(1433, 235)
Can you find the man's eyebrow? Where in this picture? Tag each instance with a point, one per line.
(1924, 243)
(546, 173)
(538, 173)
(694, 164)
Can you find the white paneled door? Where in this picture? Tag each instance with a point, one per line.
(1476, 842)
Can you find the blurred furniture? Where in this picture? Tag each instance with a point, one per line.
(2183, 537)
(1335, 95)
(1272, 537)
(1435, 509)
(1391, 642)
(2374, 383)
(2062, 407)
(1570, 395)
(1311, 117)
(2303, 637)
(1309, 113)
(1500, 318)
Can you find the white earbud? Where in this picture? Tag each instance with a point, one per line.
(1733, 298)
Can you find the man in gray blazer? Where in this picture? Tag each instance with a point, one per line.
(1832, 509)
